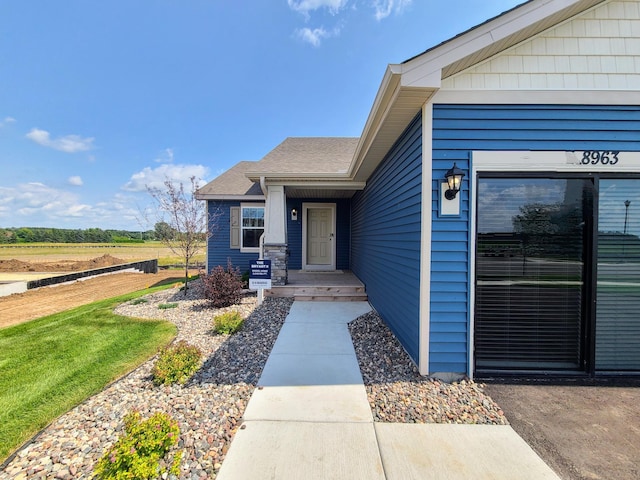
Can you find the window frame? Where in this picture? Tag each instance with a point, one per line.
(244, 249)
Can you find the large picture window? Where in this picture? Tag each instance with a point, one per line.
(252, 226)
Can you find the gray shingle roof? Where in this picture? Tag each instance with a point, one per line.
(330, 155)
(295, 155)
(232, 182)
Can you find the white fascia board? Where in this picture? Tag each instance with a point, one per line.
(243, 198)
(421, 69)
(284, 177)
(387, 92)
(326, 184)
(339, 181)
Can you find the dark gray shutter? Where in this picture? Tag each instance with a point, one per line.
(234, 228)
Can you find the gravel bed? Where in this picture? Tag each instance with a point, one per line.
(398, 393)
(208, 408)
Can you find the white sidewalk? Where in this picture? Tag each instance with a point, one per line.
(310, 418)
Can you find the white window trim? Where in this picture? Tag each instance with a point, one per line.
(244, 249)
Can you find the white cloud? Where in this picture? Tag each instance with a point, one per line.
(166, 156)
(75, 181)
(306, 6)
(384, 8)
(35, 200)
(35, 204)
(155, 177)
(68, 143)
(7, 121)
(315, 36)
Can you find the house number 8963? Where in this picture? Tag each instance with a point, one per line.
(595, 157)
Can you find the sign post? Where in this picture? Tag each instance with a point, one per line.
(260, 277)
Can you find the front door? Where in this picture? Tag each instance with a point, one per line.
(319, 236)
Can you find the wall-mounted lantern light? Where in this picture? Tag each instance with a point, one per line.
(294, 215)
(454, 181)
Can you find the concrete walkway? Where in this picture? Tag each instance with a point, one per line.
(309, 418)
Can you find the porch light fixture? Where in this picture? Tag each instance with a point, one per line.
(294, 215)
(454, 181)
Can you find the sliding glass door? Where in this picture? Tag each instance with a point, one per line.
(532, 235)
(618, 276)
(557, 284)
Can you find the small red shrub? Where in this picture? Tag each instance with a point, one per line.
(223, 286)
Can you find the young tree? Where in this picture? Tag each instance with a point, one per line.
(185, 217)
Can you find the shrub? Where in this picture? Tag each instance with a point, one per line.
(176, 363)
(140, 453)
(165, 306)
(228, 323)
(138, 301)
(223, 287)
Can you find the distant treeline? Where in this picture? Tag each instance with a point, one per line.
(64, 235)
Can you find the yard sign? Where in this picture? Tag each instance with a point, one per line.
(260, 274)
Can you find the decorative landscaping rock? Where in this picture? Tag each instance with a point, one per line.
(398, 393)
(208, 407)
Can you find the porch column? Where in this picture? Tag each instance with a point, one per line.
(275, 234)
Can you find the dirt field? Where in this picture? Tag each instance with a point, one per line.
(14, 265)
(38, 253)
(43, 301)
(582, 432)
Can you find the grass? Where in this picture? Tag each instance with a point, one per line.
(50, 365)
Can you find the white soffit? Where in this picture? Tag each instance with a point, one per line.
(405, 107)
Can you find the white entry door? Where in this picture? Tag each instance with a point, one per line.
(318, 236)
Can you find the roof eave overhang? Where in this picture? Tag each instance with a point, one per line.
(295, 176)
(406, 87)
(490, 38)
(396, 104)
(221, 197)
(339, 181)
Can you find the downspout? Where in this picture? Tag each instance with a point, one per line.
(263, 187)
(265, 191)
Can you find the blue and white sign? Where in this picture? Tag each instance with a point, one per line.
(260, 274)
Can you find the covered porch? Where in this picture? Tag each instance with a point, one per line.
(337, 285)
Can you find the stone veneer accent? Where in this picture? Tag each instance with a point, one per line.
(279, 256)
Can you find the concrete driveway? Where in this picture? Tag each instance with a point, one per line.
(582, 432)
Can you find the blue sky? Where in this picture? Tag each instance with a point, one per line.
(100, 99)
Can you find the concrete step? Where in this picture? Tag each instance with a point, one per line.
(319, 293)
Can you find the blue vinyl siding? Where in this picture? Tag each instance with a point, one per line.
(457, 131)
(385, 237)
(218, 249)
(343, 231)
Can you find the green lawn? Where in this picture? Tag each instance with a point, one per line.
(49, 365)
